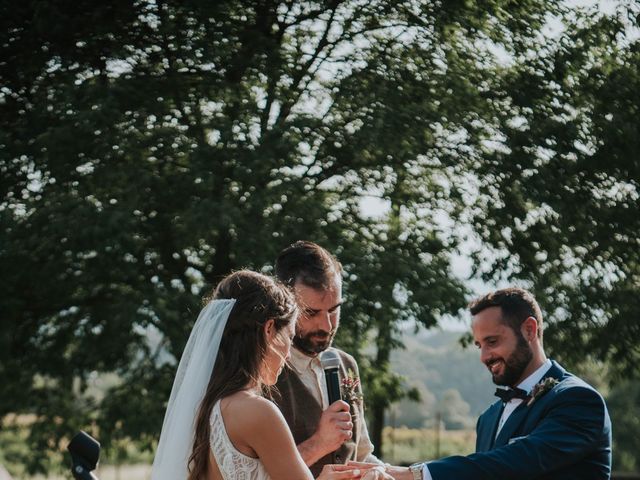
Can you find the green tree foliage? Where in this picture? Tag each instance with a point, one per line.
(624, 402)
(412, 414)
(454, 410)
(560, 192)
(149, 147)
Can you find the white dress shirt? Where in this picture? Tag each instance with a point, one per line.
(310, 372)
(527, 385)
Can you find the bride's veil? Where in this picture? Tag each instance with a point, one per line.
(189, 387)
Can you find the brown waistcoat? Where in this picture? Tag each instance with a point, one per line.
(302, 411)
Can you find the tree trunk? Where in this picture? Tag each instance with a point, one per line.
(381, 402)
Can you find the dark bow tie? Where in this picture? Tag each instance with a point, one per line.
(507, 394)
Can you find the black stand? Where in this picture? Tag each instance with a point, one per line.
(85, 453)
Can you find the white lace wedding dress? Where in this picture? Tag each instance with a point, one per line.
(233, 464)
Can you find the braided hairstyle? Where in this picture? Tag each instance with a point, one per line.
(243, 347)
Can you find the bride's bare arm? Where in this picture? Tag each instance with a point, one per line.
(265, 431)
(262, 427)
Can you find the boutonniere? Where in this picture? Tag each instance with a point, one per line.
(349, 388)
(540, 388)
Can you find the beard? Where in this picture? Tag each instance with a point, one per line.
(515, 364)
(313, 343)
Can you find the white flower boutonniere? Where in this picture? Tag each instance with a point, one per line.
(349, 388)
(540, 388)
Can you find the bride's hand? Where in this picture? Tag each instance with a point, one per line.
(341, 472)
(376, 473)
(371, 471)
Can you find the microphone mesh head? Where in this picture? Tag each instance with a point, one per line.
(329, 359)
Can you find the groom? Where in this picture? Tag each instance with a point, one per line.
(548, 423)
(324, 433)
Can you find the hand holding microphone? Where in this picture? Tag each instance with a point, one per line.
(335, 425)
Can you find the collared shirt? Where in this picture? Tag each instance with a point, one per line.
(527, 385)
(310, 372)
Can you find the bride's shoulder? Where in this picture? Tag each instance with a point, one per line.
(249, 410)
(247, 417)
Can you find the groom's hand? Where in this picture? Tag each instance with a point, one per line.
(335, 427)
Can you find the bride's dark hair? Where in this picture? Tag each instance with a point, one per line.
(242, 348)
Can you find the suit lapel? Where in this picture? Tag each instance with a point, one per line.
(556, 371)
(512, 423)
(487, 432)
(520, 413)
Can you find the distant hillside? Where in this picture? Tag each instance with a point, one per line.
(435, 362)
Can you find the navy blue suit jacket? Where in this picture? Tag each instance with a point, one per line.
(564, 434)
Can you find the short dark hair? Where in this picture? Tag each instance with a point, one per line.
(307, 263)
(517, 304)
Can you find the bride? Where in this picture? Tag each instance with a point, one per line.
(218, 424)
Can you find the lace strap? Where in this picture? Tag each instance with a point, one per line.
(231, 463)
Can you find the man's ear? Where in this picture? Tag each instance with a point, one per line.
(270, 329)
(529, 328)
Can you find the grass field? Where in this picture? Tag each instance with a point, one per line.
(109, 472)
(403, 446)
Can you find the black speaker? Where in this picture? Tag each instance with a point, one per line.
(85, 453)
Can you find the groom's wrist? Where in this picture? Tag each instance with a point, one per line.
(417, 471)
(399, 473)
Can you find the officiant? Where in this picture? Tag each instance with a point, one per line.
(324, 433)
